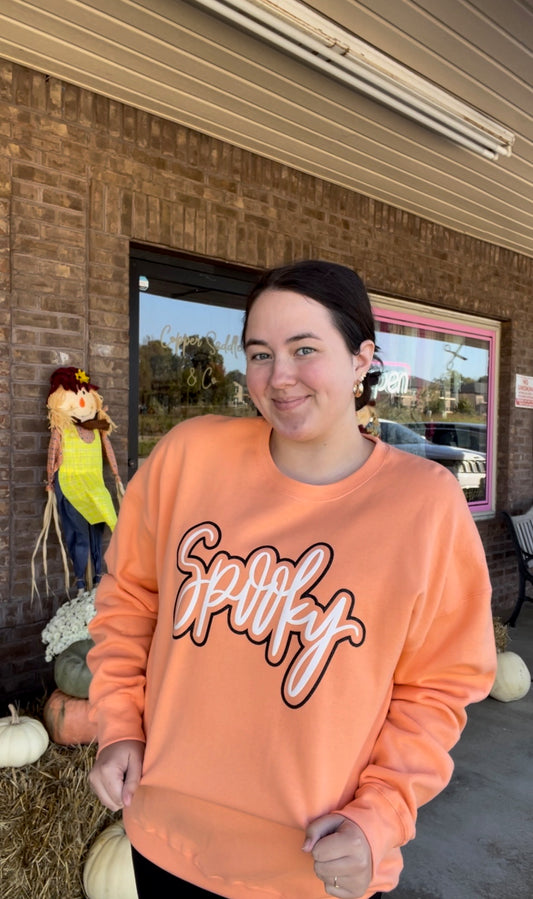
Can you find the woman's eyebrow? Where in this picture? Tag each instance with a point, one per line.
(304, 336)
(255, 341)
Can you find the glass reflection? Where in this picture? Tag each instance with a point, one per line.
(432, 397)
(190, 363)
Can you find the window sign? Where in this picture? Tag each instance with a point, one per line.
(435, 395)
(524, 391)
(190, 363)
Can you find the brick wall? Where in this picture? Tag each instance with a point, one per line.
(80, 177)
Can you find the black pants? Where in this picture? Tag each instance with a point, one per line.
(154, 881)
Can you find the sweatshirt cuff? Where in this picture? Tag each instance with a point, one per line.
(113, 725)
(384, 820)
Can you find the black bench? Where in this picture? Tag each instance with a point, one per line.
(521, 531)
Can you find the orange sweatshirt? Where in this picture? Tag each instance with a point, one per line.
(287, 650)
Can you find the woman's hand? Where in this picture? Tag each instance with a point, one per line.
(343, 859)
(116, 773)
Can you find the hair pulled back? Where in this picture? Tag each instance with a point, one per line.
(336, 287)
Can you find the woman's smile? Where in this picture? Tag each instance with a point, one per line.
(287, 403)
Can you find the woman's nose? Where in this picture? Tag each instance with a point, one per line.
(282, 372)
(82, 402)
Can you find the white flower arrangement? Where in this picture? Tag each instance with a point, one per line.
(69, 624)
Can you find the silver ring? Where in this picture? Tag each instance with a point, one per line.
(335, 883)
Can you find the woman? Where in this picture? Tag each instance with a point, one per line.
(294, 619)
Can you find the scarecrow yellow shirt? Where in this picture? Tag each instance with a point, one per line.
(81, 478)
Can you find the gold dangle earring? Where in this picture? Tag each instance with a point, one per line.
(358, 388)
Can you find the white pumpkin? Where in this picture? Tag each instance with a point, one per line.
(513, 680)
(108, 870)
(22, 740)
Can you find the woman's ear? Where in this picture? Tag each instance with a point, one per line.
(363, 359)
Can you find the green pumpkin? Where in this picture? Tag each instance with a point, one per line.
(71, 673)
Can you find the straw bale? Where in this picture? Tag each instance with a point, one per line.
(49, 818)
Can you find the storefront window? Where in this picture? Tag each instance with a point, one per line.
(436, 391)
(435, 395)
(186, 359)
(190, 363)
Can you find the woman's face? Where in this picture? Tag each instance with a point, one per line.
(300, 373)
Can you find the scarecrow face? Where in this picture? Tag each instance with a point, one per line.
(80, 404)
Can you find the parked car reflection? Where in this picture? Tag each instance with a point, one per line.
(466, 434)
(468, 466)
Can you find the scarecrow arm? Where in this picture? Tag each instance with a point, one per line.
(111, 458)
(110, 455)
(54, 457)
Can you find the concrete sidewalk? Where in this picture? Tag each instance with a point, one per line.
(475, 840)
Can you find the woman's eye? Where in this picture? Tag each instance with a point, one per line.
(304, 351)
(259, 357)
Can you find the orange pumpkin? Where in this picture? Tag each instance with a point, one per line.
(67, 719)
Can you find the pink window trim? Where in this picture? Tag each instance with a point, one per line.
(435, 324)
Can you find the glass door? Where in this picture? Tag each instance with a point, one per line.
(185, 344)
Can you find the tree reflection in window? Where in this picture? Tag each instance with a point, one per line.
(184, 372)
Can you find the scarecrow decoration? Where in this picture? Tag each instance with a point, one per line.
(77, 495)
